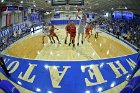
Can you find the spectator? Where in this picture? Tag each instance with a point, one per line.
(3, 65)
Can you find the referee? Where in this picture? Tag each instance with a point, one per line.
(3, 65)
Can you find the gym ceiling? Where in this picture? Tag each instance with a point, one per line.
(97, 6)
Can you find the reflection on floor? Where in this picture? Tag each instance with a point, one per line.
(103, 47)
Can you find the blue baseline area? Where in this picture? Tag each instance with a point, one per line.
(61, 22)
(74, 78)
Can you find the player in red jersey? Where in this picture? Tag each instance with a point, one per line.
(53, 34)
(72, 33)
(88, 30)
(67, 28)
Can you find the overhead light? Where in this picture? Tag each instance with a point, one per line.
(34, 5)
(49, 1)
(125, 7)
(112, 8)
(21, 2)
(2, 0)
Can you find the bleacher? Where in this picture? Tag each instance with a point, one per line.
(128, 30)
(11, 34)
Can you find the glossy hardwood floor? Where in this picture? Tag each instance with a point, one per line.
(105, 46)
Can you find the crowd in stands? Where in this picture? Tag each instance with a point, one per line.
(127, 30)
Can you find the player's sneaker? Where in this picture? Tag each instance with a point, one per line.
(73, 45)
(65, 42)
(69, 44)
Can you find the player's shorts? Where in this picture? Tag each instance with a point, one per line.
(53, 34)
(81, 30)
(87, 33)
(73, 34)
(46, 34)
(68, 32)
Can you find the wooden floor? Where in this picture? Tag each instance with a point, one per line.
(105, 46)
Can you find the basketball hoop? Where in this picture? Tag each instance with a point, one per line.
(67, 7)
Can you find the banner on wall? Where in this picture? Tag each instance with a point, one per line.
(125, 15)
(57, 15)
(71, 76)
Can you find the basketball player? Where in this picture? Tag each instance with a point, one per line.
(46, 33)
(81, 28)
(72, 33)
(53, 34)
(67, 28)
(88, 31)
(97, 31)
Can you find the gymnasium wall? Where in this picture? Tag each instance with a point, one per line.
(13, 18)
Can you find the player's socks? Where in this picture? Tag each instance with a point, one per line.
(82, 41)
(77, 44)
(65, 42)
(51, 42)
(72, 41)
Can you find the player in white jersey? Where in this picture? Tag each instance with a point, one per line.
(46, 33)
(81, 28)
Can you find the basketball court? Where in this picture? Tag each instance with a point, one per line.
(100, 48)
(99, 65)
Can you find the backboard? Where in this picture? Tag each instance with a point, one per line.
(64, 2)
